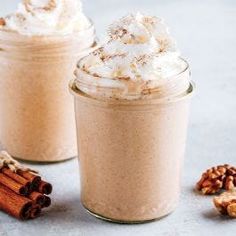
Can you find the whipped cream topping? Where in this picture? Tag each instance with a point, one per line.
(47, 17)
(139, 53)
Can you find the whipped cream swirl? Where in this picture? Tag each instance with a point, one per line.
(139, 55)
(47, 17)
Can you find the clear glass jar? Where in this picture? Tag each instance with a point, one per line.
(131, 151)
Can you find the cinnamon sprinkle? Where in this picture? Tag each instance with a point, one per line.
(150, 20)
(118, 33)
(2, 22)
(51, 5)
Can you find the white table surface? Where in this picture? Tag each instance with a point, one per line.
(206, 35)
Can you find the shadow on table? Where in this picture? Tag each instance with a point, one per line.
(209, 214)
(212, 214)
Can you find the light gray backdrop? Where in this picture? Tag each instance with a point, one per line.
(206, 34)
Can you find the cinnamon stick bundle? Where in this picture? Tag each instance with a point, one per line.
(22, 193)
(14, 204)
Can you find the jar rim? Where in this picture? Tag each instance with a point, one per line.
(118, 88)
(77, 93)
(187, 67)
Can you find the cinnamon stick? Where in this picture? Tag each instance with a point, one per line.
(45, 188)
(35, 211)
(13, 185)
(34, 179)
(37, 198)
(17, 177)
(47, 202)
(13, 204)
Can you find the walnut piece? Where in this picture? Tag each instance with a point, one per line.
(217, 178)
(226, 203)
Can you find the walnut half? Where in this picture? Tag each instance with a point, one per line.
(226, 203)
(222, 177)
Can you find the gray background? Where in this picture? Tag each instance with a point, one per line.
(206, 34)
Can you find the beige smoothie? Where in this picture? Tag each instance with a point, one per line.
(132, 100)
(39, 47)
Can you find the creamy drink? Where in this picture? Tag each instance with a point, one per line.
(39, 47)
(132, 102)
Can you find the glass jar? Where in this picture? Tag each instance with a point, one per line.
(36, 110)
(131, 150)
